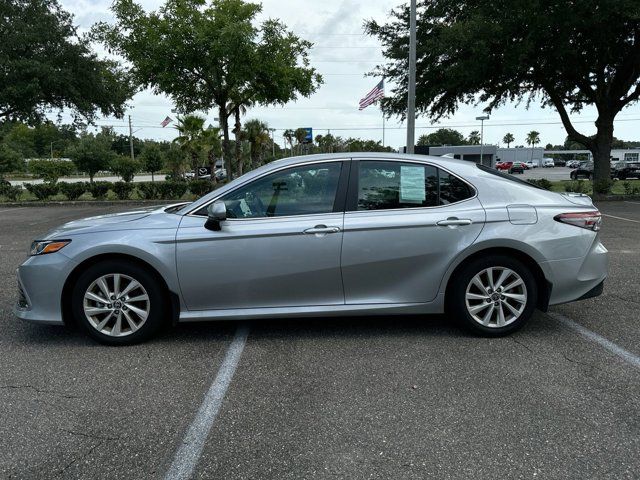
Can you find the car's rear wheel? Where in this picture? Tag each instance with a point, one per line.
(493, 295)
(117, 303)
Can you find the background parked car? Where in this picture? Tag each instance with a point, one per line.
(504, 165)
(624, 170)
(530, 164)
(585, 170)
(548, 163)
(517, 167)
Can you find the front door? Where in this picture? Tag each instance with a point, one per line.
(404, 225)
(279, 247)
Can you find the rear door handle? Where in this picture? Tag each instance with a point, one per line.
(454, 221)
(321, 229)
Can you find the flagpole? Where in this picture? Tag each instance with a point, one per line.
(382, 125)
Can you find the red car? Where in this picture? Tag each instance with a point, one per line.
(504, 165)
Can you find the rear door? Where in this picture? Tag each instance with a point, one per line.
(405, 222)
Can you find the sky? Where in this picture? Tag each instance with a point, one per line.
(343, 54)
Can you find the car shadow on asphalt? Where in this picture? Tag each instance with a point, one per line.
(360, 327)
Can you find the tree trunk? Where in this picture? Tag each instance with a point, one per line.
(236, 131)
(152, 179)
(601, 149)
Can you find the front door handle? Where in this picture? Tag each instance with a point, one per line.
(321, 229)
(454, 221)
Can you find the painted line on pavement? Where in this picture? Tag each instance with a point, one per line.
(626, 355)
(11, 209)
(629, 201)
(620, 218)
(188, 454)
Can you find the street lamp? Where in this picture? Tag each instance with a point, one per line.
(482, 118)
(273, 142)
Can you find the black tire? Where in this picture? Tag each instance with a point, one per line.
(456, 294)
(154, 290)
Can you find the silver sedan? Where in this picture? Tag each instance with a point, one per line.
(325, 235)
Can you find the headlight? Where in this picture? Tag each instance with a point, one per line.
(41, 247)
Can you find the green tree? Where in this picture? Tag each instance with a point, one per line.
(208, 54)
(508, 139)
(443, 136)
(299, 134)
(256, 133)
(47, 65)
(124, 166)
(9, 160)
(50, 170)
(92, 154)
(289, 135)
(176, 162)
(152, 160)
(480, 52)
(474, 138)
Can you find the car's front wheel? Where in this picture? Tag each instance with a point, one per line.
(493, 295)
(117, 303)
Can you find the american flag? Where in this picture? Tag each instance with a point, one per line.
(166, 122)
(374, 95)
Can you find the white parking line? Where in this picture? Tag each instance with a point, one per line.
(11, 209)
(626, 355)
(189, 452)
(629, 201)
(620, 218)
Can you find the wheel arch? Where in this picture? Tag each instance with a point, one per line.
(544, 286)
(173, 302)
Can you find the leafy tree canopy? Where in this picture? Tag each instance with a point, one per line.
(47, 66)
(567, 54)
(92, 154)
(443, 136)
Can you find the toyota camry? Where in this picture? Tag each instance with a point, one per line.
(323, 235)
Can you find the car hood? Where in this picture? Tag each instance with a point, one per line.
(141, 218)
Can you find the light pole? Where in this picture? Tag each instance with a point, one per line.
(482, 118)
(411, 98)
(273, 142)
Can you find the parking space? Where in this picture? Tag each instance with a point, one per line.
(402, 397)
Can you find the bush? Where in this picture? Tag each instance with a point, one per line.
(124, 167)
(72, 190)
(42, 191)
(51, 170)
(602, 186)
(148, 190)
(122, 190)
(171, 190)
(578, 186)
(542, 183)
(99, 190)
(10, 191)
(200, 187)
(629, 188)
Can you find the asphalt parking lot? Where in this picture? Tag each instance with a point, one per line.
(407, 397)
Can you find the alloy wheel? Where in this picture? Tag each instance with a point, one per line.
(116, 305)
(496, 297)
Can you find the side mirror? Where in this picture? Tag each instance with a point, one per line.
(217, 212)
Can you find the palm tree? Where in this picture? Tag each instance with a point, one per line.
(533, 138)
(237, 109)
(198, 143)
(474, 138)
(300, 134)
(288, 136)
(508, 139)
(190, 131)
(257, 134)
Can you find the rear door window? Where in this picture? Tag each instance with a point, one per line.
(386, 185)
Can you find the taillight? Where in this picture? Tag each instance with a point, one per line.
(588, 220)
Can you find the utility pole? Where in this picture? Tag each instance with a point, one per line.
(273, 142)
(131, 139)
(411, 100)
(482, 119)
